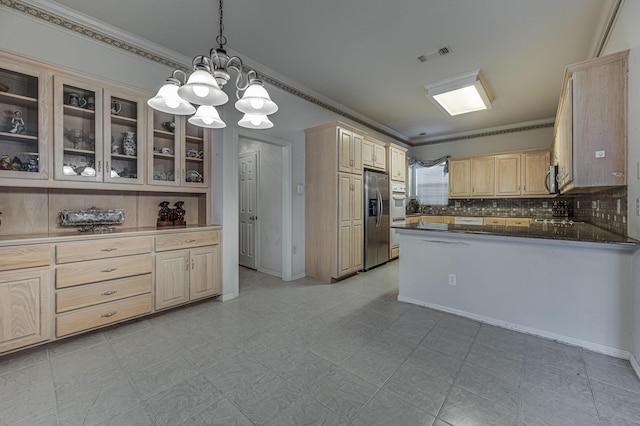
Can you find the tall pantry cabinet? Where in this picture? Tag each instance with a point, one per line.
(334, 201)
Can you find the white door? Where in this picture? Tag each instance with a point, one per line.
(248, 209)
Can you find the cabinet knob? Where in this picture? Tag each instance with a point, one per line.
(189, 241)
(108, 293)
(109, 314)
(109, 270)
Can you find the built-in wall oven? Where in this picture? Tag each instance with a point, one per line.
(397, 210)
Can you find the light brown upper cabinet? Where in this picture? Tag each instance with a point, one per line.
(483, 176)
(24, 132)
(534, 166)
(459, 178)
(590, 136)
(512, 174)
(507, 174)
(374, 154)
(349, 151)
(398, 160)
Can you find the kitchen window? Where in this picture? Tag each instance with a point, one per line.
(429, 184)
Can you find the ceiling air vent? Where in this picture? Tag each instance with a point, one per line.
(435, 54)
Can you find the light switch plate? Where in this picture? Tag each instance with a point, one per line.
(599, 154)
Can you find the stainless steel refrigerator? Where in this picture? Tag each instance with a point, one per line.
(376, 214)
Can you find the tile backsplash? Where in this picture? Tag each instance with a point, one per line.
(605, 209)
(543, 208)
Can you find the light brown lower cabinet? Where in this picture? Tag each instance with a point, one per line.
(25, 316)
(184, 275)
(101, 280)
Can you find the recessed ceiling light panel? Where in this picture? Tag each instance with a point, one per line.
(460, 95)
(435, 54)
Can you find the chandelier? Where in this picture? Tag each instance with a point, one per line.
(204, 88)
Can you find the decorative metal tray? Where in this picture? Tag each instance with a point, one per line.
(92, 219)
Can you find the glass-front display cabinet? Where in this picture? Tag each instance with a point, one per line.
(196, 147)
(23, 128)
(78, 130)
(165, 149)
(125, 141)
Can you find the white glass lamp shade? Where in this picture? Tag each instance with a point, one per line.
(207, 116)
(167, 100)
(255, 121)
(256, 101)
(202, 89)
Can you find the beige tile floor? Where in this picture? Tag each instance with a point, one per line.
(306, 353)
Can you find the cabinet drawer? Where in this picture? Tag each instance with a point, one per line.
(448, 219)
(102, 249)
(94, 294)
(20, 257)
(102, 270)
(395, 252)
(432, 219)
(518, 221)
(103, 314)
(187, 240)
(494, 221)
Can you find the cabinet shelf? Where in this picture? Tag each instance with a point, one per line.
(18, 138)
(18, 100)
(163, 133)
(195, 160)
(161, 155)
(124, 156)
(79, 151)
(197, 139)
(128, 121)
(79, 112)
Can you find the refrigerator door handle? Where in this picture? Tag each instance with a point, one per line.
(381, 209)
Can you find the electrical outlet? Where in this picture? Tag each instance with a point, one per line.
(618, 205)
(599, 154)
(495, 204)
(577, 204)
(457, 203)
(452, 279)
(545, 204)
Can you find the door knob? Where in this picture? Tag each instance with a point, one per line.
(253, 218)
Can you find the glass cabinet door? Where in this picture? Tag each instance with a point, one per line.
(124, 147)
(78, 130)
(196, 155)
(23, 131)
(165, 149)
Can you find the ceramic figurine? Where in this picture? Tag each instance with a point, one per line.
(5, 162)
(164, 215)
(17, 124)
(179, 214)
(129, 143)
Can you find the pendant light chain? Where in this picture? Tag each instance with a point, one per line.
(221, 40)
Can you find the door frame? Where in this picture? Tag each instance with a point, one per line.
(256, 237)
(287, 188)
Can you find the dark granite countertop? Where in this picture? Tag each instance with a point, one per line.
(580, 232)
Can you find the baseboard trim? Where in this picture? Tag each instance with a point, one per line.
(595, 347)
(226, 297)
(270, 272)
(298, 276)
(635, 364)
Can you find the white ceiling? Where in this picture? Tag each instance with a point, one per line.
(363, 53)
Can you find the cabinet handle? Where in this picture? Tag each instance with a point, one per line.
(109, 314)
(617, 174)
(106, 166)
(110, 249)
(109, 270)
(108, 293)
(189, 241)
(193, 264)
(99, 166)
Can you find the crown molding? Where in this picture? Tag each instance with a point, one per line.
(68, 19)
(490, 131)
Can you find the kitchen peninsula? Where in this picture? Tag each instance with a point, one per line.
(572, 283)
